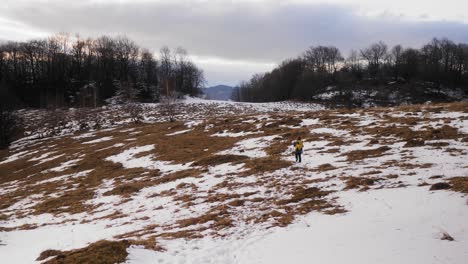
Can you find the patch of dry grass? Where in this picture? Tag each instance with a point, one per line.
(263, 165)
(459, 184)
(360, 182)
(219, 218)
(440, 186)
(356, 155)
(101, 252)
(70, 202)
(126, 189)
(148, 243)
(416, 142)
(300, 193)
(325, 167)
(220, 159)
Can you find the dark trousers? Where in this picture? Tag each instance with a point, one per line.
(298, 156)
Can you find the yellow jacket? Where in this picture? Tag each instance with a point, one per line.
(298, 145)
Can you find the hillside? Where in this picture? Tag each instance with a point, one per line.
(218, 92)
(394, 93)
(219, 185)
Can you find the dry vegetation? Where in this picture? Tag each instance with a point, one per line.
(459, 184)
(101, 252)
(263, 190)
(360, 182)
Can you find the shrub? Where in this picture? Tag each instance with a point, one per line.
(10, 122)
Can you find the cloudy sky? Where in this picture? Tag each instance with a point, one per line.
(231, 40)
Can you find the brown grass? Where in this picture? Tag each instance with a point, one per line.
(237, 203)
(459, 184)
(360, 182)
(438, 144)
(220, 220)
(457, 107)
(356, 155)
(126, 189)
(149, 243)
(390, 131)
(284, 121)
(71, 202)
(186, 234)
(331, 150)
(101, 252)
(220, 159)
(440, 186)
(445, 132)
(200, 147)
(414, 143)
(371, 173)
(325, 167)
(300, 193)
(263, 165)
(183, 148)
(3, 217)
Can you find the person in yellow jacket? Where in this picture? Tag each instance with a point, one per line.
(298, 149)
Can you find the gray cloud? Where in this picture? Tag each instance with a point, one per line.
(232, 31)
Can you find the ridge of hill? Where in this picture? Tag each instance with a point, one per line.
(218, 92)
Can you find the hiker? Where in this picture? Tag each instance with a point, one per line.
(298, 149)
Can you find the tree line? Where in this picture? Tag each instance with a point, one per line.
(439, 64)
(66, 71)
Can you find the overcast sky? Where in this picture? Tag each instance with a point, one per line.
(231, 40)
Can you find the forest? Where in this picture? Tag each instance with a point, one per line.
(387, 75)
(71, 71)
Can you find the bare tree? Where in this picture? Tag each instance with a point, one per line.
(148, 76)
(169, 99)
(396, 59)
(374, 55)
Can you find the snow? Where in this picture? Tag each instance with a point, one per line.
(401, 225)
(226, 168)
(179, 132)
(258, 107)
(67, 176)
(65, 165)
(325, 130)
(395, 221)
(251, 147)
(128, 160)
(46, 157)
(43, 156)
(327, 95)
(193, 123)
(310, 122)
(17, 156)
(117, 145)
(85, 135)
(20, 250)
(98, 140)
(225, 133)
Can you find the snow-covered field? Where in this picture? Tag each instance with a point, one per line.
(219, 185)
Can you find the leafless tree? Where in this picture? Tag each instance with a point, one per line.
(169, 100)
(374, 55)
(396, 60)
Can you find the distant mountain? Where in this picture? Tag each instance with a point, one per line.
(218, 92)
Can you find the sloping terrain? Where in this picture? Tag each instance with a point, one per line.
(380, 185)
(371, 93)
(218, 92)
